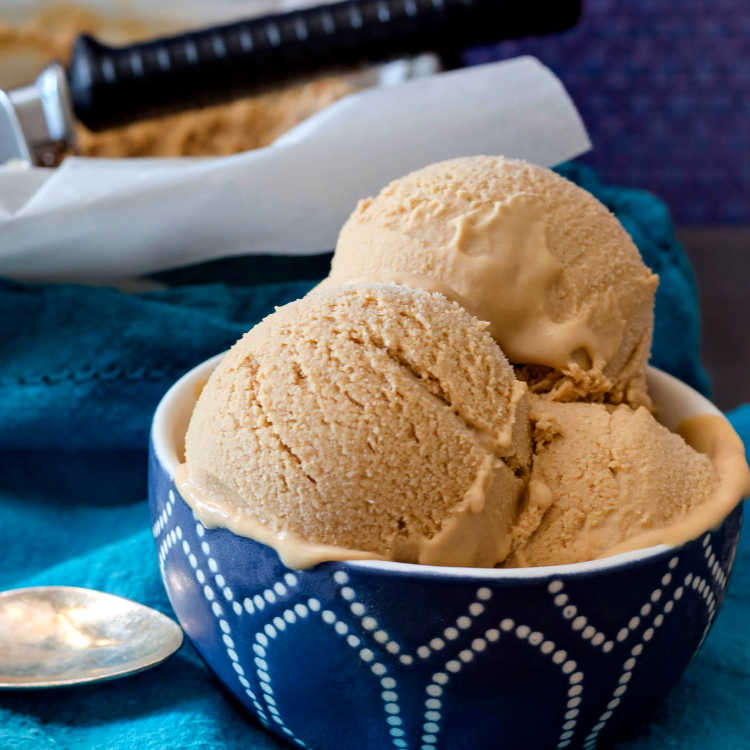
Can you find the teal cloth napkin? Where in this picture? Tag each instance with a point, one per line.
(81, 370)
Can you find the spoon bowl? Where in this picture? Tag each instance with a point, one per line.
(54, 636)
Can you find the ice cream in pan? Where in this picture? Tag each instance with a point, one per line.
(379, 417)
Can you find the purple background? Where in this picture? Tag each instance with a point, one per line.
(664, 89)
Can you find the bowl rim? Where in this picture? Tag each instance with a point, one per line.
(671, 394)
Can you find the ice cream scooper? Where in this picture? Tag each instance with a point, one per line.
(105, 86)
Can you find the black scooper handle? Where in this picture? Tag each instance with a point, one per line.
(111, 86)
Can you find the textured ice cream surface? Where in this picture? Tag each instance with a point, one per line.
(603, 480)
(373, 420)
(551, 269)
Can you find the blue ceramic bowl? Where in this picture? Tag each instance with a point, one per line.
(372, 655)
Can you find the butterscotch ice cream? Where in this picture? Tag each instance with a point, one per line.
(369, 421)
(551, 269)
(378, 417)
(606, 480)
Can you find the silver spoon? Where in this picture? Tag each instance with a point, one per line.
(52, 636)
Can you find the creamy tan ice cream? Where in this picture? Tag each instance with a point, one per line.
(369, 421)
(606, 480)
(378, 418)
(562, 285)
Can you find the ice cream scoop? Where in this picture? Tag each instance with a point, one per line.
(372, 420)
(106, 86)
(551, 269)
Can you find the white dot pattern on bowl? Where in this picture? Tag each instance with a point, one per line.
(702, 588)
(690, 582)
(464, 635)
(389, 694)
(269, 595)
(630, 662)
(580, 623)
(713, 563)
(162, 518)
(159, 527)
(224, 626)
(426, 650)
(434, 690)
(369, 623)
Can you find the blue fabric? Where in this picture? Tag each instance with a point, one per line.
(81, 371)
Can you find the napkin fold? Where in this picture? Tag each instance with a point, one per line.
(102, 219)
(82, 370)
